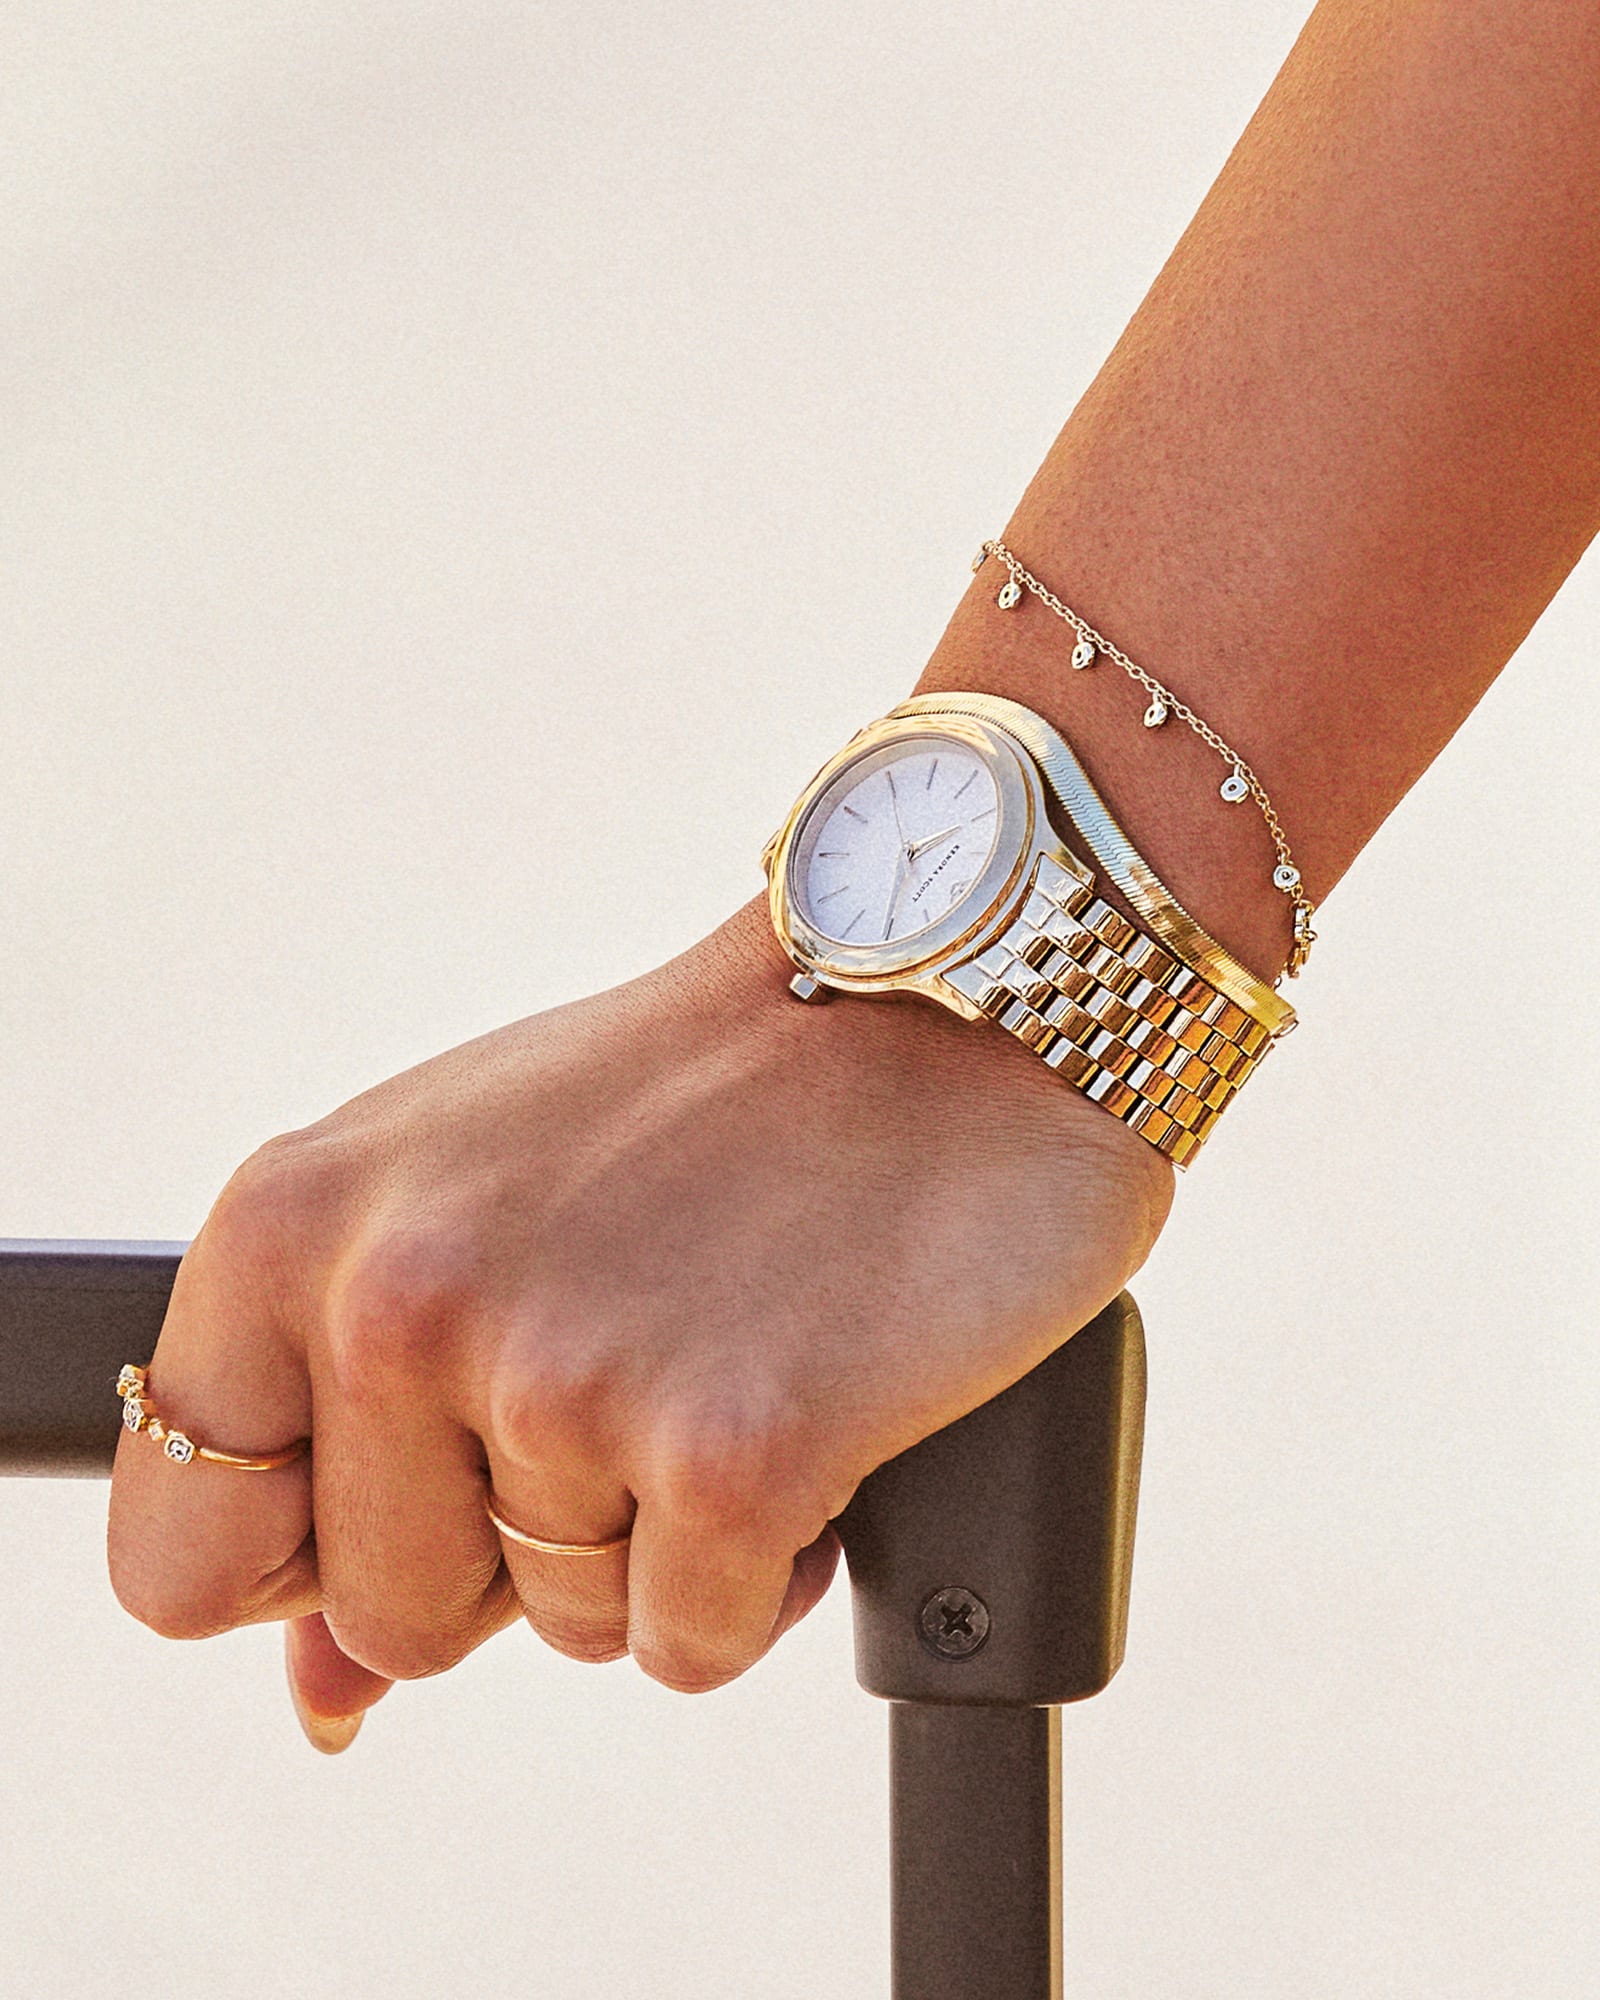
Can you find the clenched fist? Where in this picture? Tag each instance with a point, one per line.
(685, 1258)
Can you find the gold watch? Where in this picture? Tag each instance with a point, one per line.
(925, 857)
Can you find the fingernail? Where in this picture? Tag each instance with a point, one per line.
(329, 1733)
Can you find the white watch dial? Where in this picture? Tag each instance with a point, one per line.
(896, 841)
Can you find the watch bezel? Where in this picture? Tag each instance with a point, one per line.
(949, 938)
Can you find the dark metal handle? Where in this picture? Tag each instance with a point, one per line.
(70, 1315)
(990, 1563)
(990, 1566)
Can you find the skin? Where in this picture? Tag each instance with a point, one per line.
(688, 1257)
(595, 1256)
(1343, 455)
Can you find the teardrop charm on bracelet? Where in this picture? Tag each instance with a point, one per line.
(1010, 594)
(979, 560)
(1083, 653)
(1156, 713)
(1234, 788)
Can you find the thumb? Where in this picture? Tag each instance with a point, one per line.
(331, 1693)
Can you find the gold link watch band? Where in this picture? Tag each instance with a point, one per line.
(1114, 1013)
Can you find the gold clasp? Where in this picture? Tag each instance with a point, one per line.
(1304, 937)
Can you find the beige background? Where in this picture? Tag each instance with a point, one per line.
(394, 397)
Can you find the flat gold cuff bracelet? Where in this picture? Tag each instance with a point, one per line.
(1118, 857)
(140, 1414)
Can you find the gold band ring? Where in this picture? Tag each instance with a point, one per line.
(140, 1414)
(491, 1507)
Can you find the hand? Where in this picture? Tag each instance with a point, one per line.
(685, 1255)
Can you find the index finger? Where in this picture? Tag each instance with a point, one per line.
(196, 1547)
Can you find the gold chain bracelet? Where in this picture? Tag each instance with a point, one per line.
(1241, 782)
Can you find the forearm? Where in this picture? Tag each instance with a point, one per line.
(1342, 457)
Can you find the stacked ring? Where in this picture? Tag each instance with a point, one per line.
(140, 1414)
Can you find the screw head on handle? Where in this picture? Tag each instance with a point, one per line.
(954, 1622)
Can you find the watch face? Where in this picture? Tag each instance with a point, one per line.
(896, 841)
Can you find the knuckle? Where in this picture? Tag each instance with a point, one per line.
(393, 1311)
(169, 1612)
(273, 1194)
(548, 1386)
(681, 1672)
(741, 1469)
(398, 1650)
(593, 1644)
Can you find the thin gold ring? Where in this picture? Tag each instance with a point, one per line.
(140, 1414)
(491, 1507)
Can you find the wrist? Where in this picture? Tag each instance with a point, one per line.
(893, 1044)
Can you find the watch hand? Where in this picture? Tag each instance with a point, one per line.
(919, 846)
(901, 870)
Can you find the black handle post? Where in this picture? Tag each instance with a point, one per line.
(989, 1568)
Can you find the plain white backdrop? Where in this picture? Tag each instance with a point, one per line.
(464, 467)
